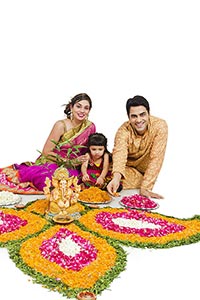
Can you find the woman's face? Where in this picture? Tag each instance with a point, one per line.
(80, 110)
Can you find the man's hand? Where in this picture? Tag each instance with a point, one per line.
(150, 194)
(114, 184)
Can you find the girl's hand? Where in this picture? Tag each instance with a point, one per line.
(99, 181)
(85, 178)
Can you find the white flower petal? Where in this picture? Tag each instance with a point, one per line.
(133, 223)
(8, 198)
(69, 247)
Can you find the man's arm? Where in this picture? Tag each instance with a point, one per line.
(120, 151)
(114, 184)
(156, 160)
(119, 156)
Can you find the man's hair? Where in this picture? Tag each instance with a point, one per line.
(137, 101)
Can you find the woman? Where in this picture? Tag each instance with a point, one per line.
(65, 146)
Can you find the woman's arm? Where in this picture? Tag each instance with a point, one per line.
(55, 134)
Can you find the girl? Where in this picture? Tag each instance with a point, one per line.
(95, 170)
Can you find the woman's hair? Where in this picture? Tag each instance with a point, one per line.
(75, 99)
(97, 139)
(137, 101)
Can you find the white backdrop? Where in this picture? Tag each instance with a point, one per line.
(112, 50)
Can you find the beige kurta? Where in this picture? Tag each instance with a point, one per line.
(139, 158)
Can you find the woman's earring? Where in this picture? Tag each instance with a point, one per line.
(71, 116)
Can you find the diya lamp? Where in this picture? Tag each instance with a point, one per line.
(86, 295)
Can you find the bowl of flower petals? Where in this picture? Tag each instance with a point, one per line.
(8, 198)
(94, 195)
(137, 201)
(86, 295)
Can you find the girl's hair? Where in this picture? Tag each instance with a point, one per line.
(97, 139)
(75, 99)
(137, 101)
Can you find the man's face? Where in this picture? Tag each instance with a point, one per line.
(139, 118)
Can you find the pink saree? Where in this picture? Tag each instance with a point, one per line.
(29, 178)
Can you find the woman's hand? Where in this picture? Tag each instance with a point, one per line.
(79, 160)
(82, 158)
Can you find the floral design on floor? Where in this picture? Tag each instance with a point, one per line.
(86, 254)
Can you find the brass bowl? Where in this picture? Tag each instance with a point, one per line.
(62, 219)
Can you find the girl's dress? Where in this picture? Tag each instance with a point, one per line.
(29, 177)
(94, 171)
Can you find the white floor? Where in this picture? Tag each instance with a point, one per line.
(112, 50)
(150, 274)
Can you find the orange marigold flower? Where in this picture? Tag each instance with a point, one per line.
(94, 195)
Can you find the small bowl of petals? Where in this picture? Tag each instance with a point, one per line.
(137, 201)
(86, 295)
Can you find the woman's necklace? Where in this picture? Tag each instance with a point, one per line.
(75, 124)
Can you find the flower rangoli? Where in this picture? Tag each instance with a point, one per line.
(86, 254)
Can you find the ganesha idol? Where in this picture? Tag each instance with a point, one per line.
(61, 192)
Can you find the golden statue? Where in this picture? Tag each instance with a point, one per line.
(62, 191)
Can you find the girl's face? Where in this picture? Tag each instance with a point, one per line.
(96, 151)
(80, 110)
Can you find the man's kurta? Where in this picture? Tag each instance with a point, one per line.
(139, 157)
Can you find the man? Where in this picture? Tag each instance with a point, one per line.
(139, 149)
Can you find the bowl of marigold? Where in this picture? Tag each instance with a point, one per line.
(94, 195)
